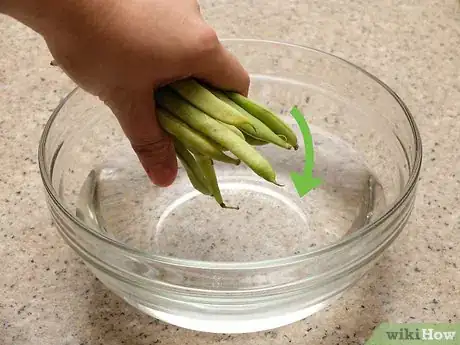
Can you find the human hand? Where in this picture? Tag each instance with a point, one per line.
(121, 51)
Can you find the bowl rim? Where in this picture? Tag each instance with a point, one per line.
(258, 264)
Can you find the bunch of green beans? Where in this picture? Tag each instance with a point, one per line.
(206, 123)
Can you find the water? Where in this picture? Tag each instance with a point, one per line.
(118, 199)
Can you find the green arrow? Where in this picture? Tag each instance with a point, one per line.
(305, 182)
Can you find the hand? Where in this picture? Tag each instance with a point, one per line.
(121, 51)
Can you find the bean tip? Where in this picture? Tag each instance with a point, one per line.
(233, 161)
(296, 147)
(223, 205)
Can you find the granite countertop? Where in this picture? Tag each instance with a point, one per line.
(49, 297)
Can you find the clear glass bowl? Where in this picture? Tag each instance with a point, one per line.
(176, 255)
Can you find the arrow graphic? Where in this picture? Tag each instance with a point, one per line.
(305, 181)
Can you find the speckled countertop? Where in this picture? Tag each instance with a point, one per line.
(47, 296)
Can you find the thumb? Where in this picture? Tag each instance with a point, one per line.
(135, 112)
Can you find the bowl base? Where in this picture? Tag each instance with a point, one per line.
(195, 226)
(237, 324)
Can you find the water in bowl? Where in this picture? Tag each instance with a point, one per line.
(118, 199)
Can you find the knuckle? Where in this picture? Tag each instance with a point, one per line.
(157, 151)
(246, 82)
(206, 41)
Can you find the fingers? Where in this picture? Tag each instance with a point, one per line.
(222, 70)
(135, 112)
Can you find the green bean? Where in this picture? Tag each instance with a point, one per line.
(194, 140)
(204, 100)
(192, 168)
(207, 167)
(266, 116)
(205, 124)
(254, 141)
(258, 129)
(233, 129)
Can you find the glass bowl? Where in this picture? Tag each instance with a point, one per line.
(176, 255)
